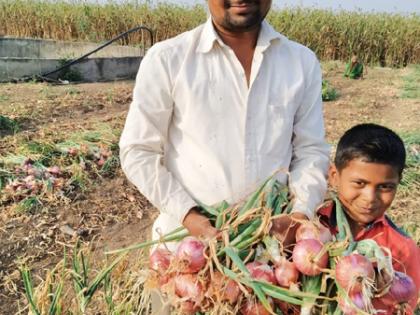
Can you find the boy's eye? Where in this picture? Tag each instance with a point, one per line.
(387, 187)
(358, 183)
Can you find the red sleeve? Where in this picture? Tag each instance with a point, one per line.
(412, 268)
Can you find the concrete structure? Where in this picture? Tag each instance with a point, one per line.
(21, 57)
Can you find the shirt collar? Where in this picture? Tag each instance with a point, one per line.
(328, 212)
(209, 36)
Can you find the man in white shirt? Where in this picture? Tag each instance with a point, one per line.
(217, 110)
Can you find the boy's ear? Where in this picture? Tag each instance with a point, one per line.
(333, 175)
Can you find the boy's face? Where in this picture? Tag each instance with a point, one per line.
(365, 189)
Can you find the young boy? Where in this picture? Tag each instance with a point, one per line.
(367, 169)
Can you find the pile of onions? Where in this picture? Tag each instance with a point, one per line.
(354, 273)
(190, 254)
(286, 273)
(307, 258)
(310, 230)
(261, 271)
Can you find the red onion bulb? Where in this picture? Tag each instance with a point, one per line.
(191, 253)
(352, 304)
(261, 271)
(401, 291)
(352, 272)
(286, 273)
(189, 287)
(305, 257)
(160, 259)
(308, 230)
(226, 288)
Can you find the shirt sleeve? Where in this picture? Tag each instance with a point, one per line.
(144, 138)
(310, 158)
(412, 269)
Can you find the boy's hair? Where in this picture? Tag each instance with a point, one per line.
(371, 143)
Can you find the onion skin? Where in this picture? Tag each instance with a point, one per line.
(252, 307)
(190, 252)
(187, 307)
(349, 309)
(225, 288)
(188, 286)
(352, 270)
(303, 257)
(287, 308)
(261, 271)
(402, 288)
(401, 291)
(286, 273)
(160, 260)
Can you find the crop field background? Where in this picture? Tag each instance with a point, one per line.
(69, 201)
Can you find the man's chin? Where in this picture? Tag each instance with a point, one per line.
(243, 23)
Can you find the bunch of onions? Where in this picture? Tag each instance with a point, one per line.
(310, 230)
(261, 271)
(401, 291)
(354, 273)
(309, 257)
(190, 254)
(286, 273)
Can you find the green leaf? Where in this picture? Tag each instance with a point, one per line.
(27, 283)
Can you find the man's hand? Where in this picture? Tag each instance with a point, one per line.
(198, 225)
(284, 228)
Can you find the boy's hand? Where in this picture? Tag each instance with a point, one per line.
(284, 228)
(198, 225)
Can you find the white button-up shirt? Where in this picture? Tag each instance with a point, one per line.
(196, 131)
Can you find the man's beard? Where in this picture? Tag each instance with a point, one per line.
(242, 23)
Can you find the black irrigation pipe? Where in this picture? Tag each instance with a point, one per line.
(44, 76)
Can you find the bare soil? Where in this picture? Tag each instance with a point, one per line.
(112, 213)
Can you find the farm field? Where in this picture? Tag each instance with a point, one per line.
(94, 203)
